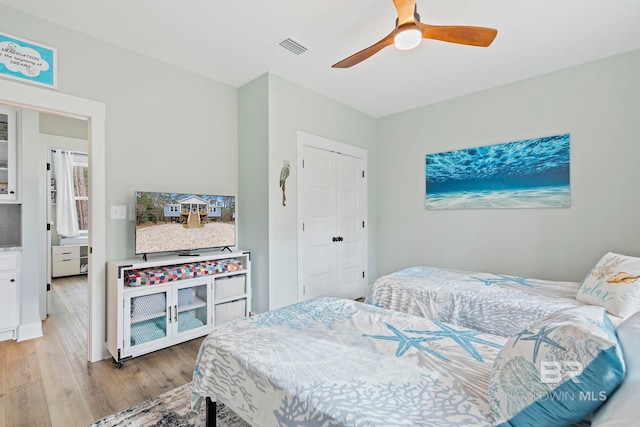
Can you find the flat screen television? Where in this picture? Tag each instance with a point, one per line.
(183, 222)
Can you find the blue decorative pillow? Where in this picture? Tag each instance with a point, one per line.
(557, 371)
(622, 408)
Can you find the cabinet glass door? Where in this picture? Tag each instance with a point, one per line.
(192, 306)
(147, 314)
(7, 155)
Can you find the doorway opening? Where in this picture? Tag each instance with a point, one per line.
(67, 238)
(32, 100)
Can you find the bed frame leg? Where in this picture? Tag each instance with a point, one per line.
(210, 420)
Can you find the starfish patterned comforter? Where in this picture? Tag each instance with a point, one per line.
(493, 303)
(334, 362)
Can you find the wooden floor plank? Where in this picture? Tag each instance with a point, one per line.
(3, 370)
(27, 406)
(55, 368)
(101, 385)
(22, 364)
(3, 384)
(3, 409)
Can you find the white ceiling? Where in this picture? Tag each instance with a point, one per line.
(234, 42)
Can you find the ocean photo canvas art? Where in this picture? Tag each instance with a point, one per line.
(532, 173)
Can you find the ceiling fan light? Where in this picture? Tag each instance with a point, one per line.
(407, 39)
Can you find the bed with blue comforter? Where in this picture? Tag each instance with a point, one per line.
(493, 303)
(333, 362)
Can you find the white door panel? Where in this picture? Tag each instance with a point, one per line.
(332, 238)
(349, 258)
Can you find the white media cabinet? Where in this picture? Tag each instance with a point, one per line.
(148, 317)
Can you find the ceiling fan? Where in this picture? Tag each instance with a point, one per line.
(410, 31)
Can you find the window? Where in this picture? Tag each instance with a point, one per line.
(81, 189)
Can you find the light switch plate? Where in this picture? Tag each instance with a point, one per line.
(118, 212)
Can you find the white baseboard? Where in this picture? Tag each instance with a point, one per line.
(8, 335)
(30, 331)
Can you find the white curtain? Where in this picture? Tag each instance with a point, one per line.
(66, 214)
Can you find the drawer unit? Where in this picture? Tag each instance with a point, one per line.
(68, 260)
(65, 267)
(8, 261)
(63, 253)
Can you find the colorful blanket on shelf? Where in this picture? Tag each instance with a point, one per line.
(170, 273)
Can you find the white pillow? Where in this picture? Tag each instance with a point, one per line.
(621, 409)
(614, 283)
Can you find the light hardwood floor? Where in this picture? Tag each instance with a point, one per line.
(48, 382)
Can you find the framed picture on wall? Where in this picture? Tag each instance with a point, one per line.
(28, 61)
(532, 173)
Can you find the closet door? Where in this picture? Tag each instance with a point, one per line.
(350, 231)
(332, 242)
(318, 208)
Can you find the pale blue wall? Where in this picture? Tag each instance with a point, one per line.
(162, 118)
(291, 108)
(253, 191)
(596, 103)
(159, 118)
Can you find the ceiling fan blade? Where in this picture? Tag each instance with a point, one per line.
(473, 36)
(406, 10)
(358, 57)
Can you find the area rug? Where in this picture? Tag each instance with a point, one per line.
(170, 409)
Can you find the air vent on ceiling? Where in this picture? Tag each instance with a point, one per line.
(292, 46)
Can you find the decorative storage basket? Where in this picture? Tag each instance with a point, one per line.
(229, 311)
(227, 287)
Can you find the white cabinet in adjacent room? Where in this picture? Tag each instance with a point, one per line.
(8, 157)
(9, 296)
(332, 245)
(69, 260)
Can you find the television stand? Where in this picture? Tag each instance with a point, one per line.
(169, 300)
(227, 248)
